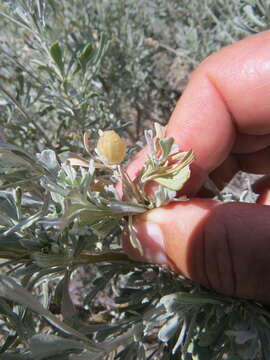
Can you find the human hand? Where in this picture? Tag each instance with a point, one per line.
(224, 116)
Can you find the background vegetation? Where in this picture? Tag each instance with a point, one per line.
(67, 67)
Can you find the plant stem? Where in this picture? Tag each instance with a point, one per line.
(92, 258)
(27, 116)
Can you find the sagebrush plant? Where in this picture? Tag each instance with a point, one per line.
(67, 290)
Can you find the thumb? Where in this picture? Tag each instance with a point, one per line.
(225, 247)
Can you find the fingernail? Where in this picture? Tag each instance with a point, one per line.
(152, 240)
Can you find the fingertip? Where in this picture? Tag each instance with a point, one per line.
(165, 233)
(151, 238)
(262, 187)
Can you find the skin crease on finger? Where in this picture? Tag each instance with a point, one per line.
(201, 241)
(226, 102)
(223, 246)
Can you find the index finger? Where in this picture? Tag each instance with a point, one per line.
(227, 94)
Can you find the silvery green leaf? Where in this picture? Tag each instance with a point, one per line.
(149, 140)
(210, 336)
(22, 225)
(86, 356)
(181, 337)
(70, 172)
(160, 131)
(44, 346)
(96, 209)
(104, 331)
(8, 210)
(22, 14)
(87, 177)
(9, 341)
(133, 237)
(82, 60)
(163, 196)
(8, 160)
(208, 353)
(264, 337)
(67, 306)
(26, 223)
(141, 355)
(187, 345)
(11, 290)
(176, 180)
(95, 60)
(48, 159)
(15, 356)
(65, 155)
(249, 195)
(3, 101)
(16, 155)
(130, 352)
(6, 309)
(137, 331)
(86, 216)
(242, 336)
(38, 275)
(53, 188)
(4, 220)
(77, 204)
(168, 330)
(175, 302)
(125, 208)
(166, 146)
(174, 148)
(20, 23)
(104, 226)
(50, 222)
(56, 53)
(129, 188)
(253, 16)
(249, 350)
(41, 11)
(112, 192)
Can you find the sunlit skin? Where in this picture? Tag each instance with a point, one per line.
(224, 116)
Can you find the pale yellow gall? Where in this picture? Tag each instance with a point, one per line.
(111, 147)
